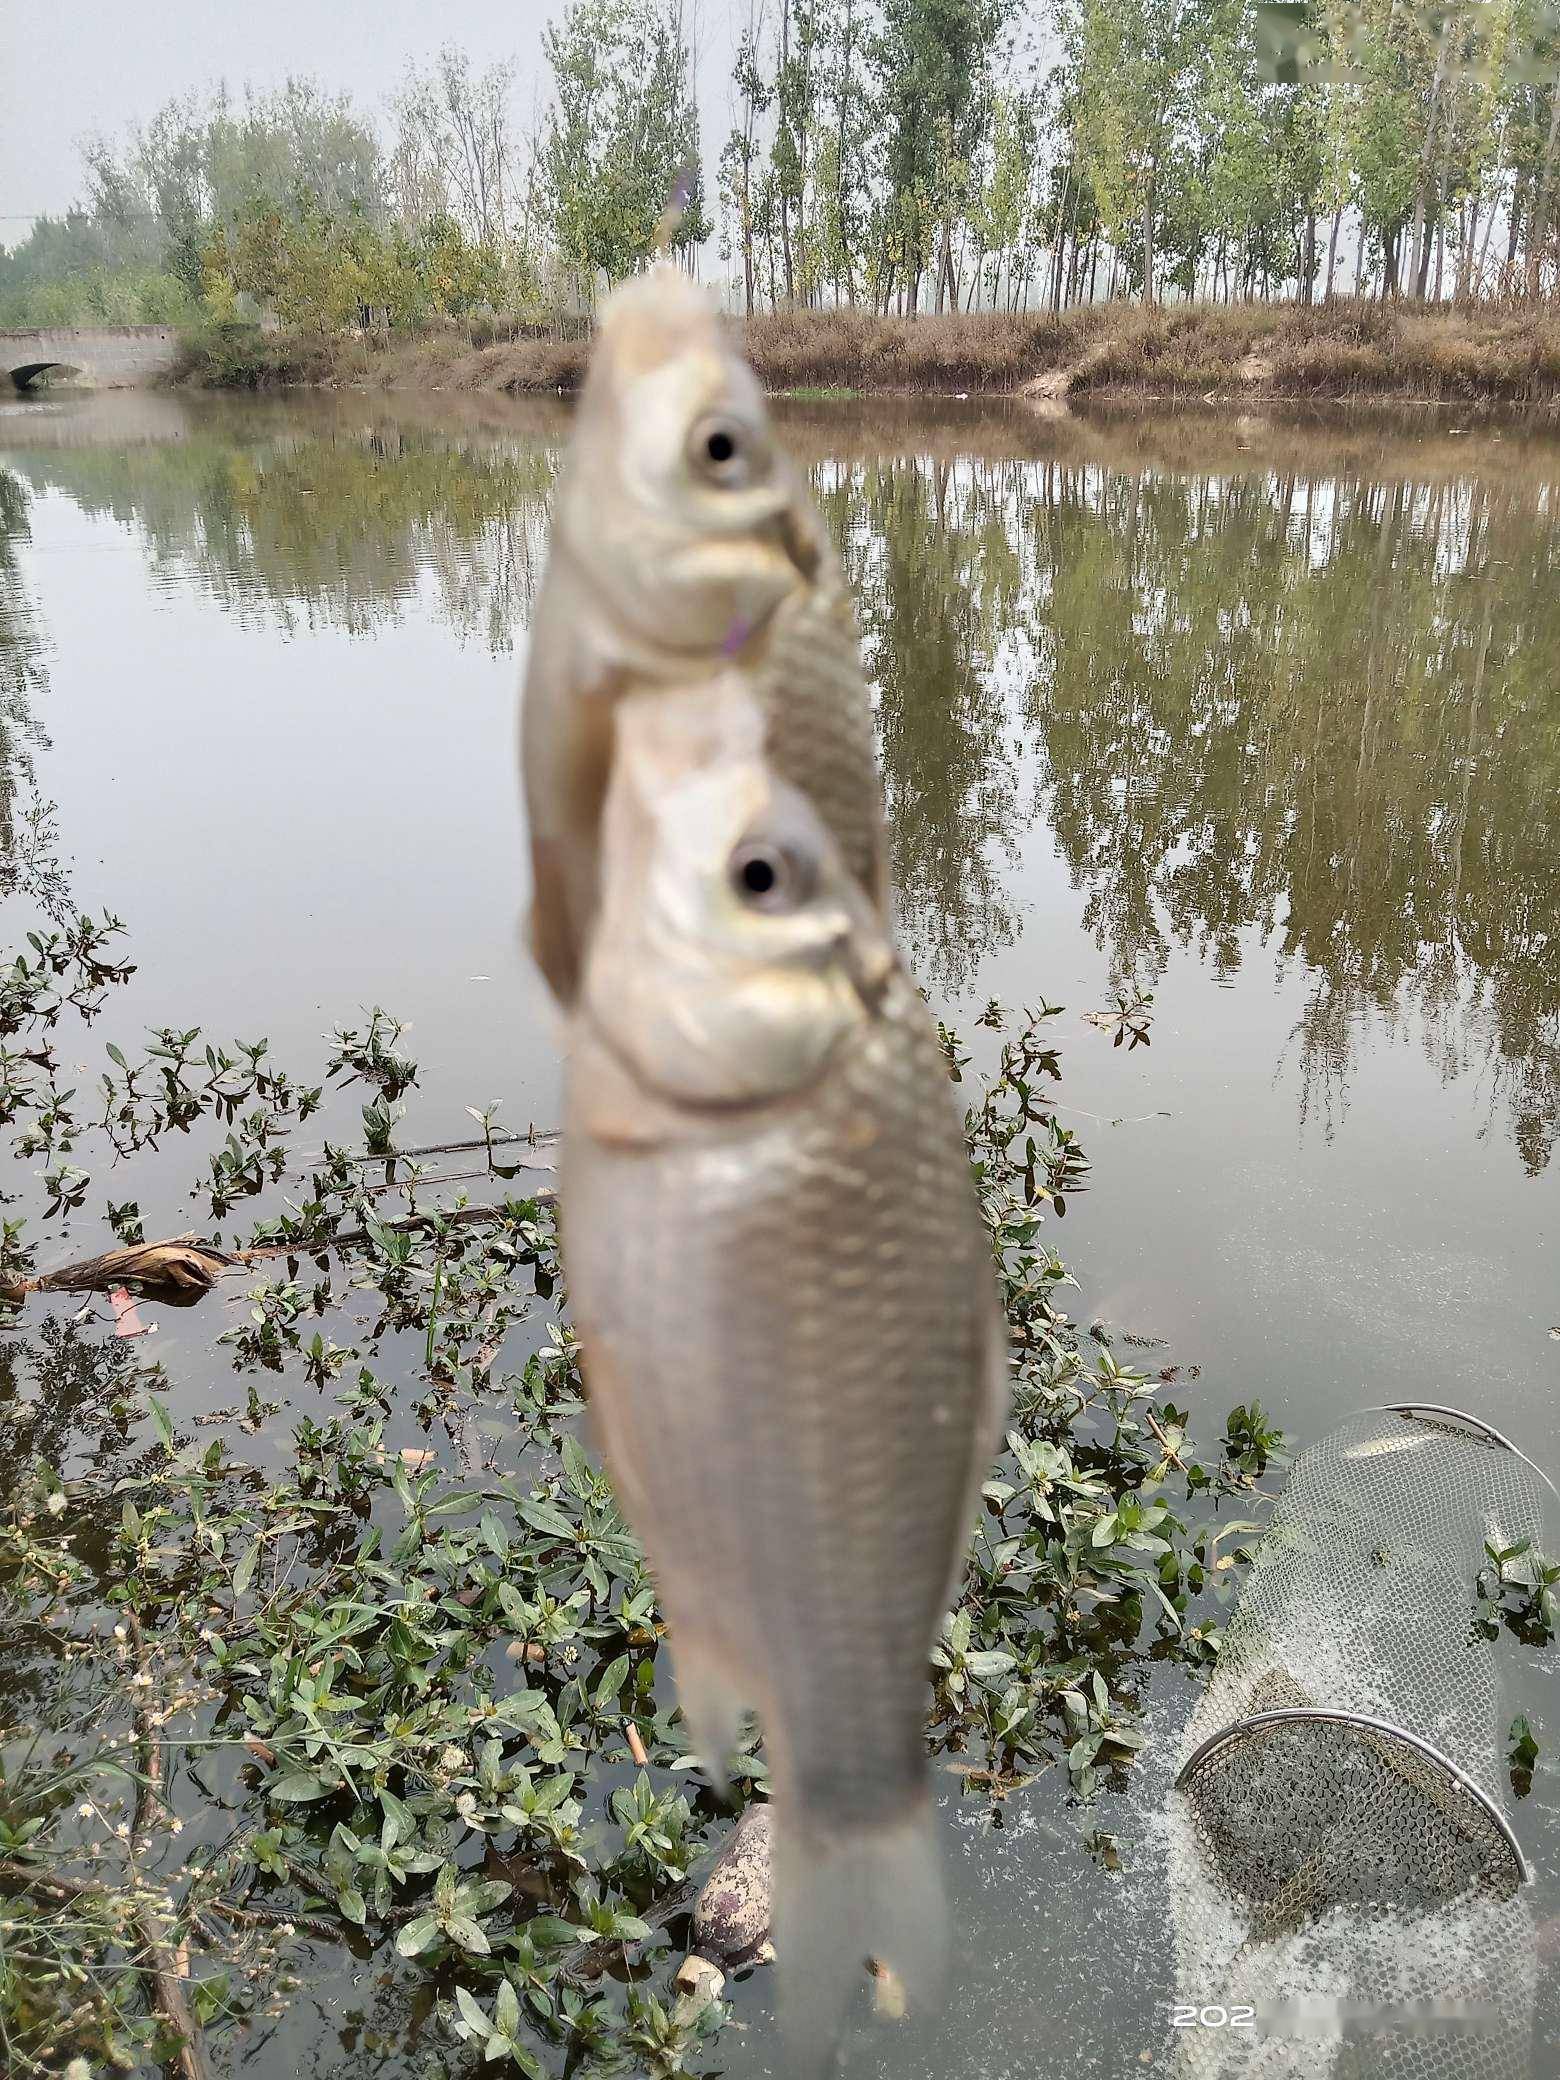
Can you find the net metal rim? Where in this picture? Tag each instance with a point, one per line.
(1364, 1722)
(1461, 1415)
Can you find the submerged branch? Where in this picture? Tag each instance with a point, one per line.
(184, 1268)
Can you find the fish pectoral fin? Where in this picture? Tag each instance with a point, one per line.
(712, 1708)
(552, 929)
(844, 1895)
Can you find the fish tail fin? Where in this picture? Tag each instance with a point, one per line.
(712, 1709)
(843, 1897)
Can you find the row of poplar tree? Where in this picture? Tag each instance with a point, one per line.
(897, 155)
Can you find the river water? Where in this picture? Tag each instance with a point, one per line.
(1257, 715)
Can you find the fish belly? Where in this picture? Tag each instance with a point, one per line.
(795, 1361)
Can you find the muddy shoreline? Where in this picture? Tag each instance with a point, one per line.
(1346, 351)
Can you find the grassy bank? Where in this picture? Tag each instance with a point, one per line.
(1505, 353)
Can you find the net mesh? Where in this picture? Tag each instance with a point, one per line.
(1361, 1896)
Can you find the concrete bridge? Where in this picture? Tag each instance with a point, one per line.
(118, 358)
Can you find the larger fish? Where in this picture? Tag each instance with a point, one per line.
(682, 540)
(784, 1290)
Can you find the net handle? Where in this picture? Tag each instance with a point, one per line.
(1461, 1415)
(1362, 1722)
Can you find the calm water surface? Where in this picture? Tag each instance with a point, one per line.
(1260, 716)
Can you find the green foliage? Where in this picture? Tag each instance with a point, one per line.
(621, 142)
(409, 1681)
(906, 153)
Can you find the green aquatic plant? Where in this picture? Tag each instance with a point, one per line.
(278, 1673)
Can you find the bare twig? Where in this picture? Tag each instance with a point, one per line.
(273, 1917)
(587, 1961)
(51, 1884)
(163, 1965)
(1171, 1453)
(428, 1184)
(537, 1137)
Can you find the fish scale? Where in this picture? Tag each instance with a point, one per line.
(815, 1440)
(820, 732)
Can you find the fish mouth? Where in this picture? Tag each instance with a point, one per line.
(870, 980)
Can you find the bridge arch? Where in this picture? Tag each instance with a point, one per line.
(100, 358)
(32, 372)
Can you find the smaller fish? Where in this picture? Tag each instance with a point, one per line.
(1386, 1447)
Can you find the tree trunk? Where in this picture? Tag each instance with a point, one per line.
(747, 250)
(1513, 235)
(1148, 247)
(1538, 225)
(1332, 253)
(980, 261)
(948, 287)
(1426, 239)
(1470, 232)
(1064, 231)
(1484, 251)
(1308, 257)
(1419, 250)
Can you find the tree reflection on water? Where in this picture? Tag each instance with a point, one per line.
(1306, 705)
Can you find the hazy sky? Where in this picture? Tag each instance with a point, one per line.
(72, 66)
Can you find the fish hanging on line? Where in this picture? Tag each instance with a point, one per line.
(683, 542)
(793, 1348)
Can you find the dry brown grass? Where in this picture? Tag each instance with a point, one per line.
(853, 350)
(1499, 353)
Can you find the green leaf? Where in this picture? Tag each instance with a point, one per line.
(507, 2011)
(544, 1516)
(577, 1467)
(610, 1687)
(472, 2015)
(463, 1930)
(298, 1788)
(244, 1573)
(399, 1814)
(417, 1936)
(160, 1419)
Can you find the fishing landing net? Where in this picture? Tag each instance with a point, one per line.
(1347, 1892)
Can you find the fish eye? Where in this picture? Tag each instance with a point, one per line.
(769, 877)
(723, 450)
